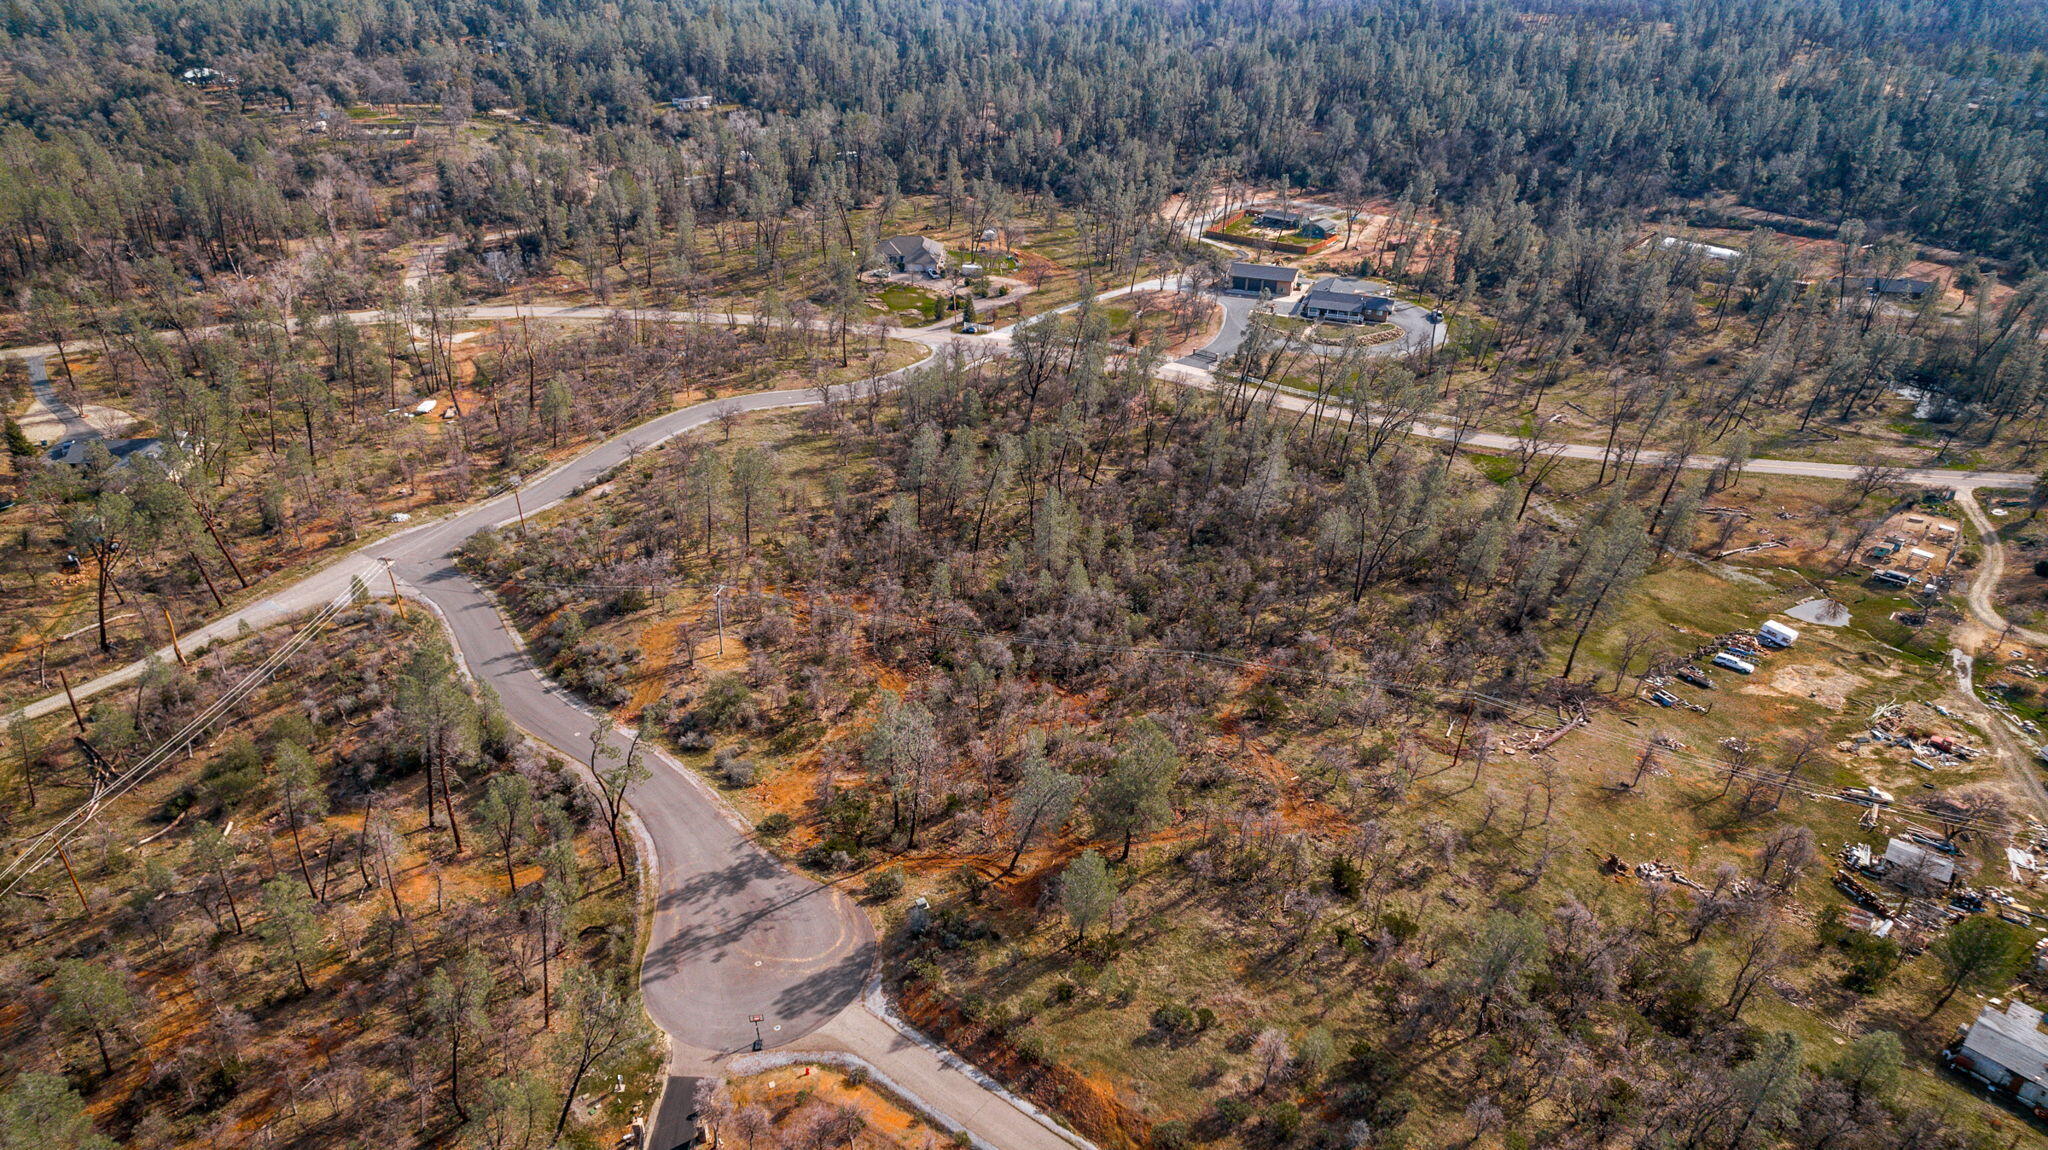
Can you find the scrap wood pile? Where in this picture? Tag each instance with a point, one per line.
(1537, 742)
(1656, 870)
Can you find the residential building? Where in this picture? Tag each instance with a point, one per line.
(1280, 216)
(913, 254)
(1338, 300)
(1891, 285)
(2007, 1050)
(1293, 218)
(1269, 279)
(691, 103)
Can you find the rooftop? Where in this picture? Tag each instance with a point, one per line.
(2013, 1038)
(1323, 298)
(911, 246)
(1907, 858)
(1262, 271)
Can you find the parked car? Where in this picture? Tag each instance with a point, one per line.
(1733, 662)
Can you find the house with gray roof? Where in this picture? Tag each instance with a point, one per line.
(2007, 1050)
(1337, 300)
(913, 254)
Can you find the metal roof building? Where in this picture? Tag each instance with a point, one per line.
(2008, 1049)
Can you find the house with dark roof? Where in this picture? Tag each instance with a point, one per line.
(1257, 279)
(2006, 1050)
(1280, 216)
(913, 254)
(75, 452)
(1338, 300)
(1891, 285)
(1292, 218)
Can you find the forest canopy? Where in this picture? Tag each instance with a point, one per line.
(1922, 116)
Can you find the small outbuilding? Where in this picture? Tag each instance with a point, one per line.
(1913, 867)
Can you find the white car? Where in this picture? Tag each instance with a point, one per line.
(1729, 660)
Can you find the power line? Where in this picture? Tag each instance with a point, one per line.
(43, 847)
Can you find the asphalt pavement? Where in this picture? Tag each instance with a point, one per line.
(736, 933)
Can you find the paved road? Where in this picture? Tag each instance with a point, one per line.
(1494, 443)
(1237, 321)
(736, 933)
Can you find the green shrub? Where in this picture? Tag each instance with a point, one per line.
(1283, 1119)
(775, 825)
(234, 774)
(1175, 1019)
(1346, 877)
(884, 885)
(727, 703)
(1233, 1112)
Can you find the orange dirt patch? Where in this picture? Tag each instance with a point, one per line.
(787, 1091)
(657, 643)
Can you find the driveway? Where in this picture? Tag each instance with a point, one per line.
(50, 421)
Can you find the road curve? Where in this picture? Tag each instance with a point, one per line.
(735, 933)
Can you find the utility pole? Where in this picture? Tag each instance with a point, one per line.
(516, 503)
(76, 717)
(718, 598)
(392, 573)
(66, 860)
(175, 649)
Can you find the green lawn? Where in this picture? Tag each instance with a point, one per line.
(902, 297)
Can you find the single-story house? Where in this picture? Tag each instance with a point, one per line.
(1345, 301)
(2007, 1050)
(1708, 251)
(1914, 867)
(1280, 216)
(691, 103)
(1290, 218)
(74, 452)
(913, 254)
(1892, 285)
(1269, 279)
